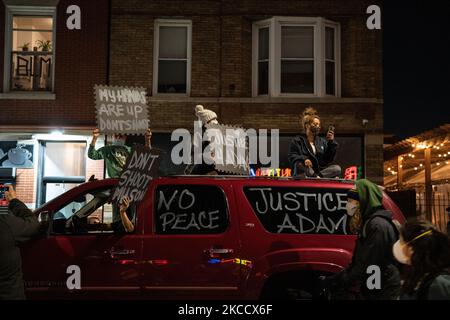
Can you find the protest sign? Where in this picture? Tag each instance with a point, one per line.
(140, 169)
(121, 109)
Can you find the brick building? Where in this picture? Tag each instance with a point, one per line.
(258, 64)
(43, 89)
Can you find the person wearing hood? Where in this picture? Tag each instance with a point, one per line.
(17, 226)
(311, 155)
(425, 253)
(377, 233)
(115, 154)
(206, 117)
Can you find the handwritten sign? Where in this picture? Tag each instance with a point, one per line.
(230, 148)
(121, 109)
(140, 169)
(190, 209)
(299, 210)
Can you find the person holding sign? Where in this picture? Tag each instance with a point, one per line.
(311, 155)
(377, 233)
(115, 154)
(123, 225)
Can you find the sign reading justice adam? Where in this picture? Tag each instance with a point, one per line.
(121, 109)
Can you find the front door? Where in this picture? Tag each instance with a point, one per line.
(106, 261)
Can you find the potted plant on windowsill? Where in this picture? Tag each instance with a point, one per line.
(25, 46)
(44, 45)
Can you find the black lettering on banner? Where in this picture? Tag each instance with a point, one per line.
(190, 209)
(140, 169)
(299, 210)
(121, 109)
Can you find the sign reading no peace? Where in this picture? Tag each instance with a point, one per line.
(140, 169)
(121, 109)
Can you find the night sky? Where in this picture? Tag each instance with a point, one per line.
(416, 62)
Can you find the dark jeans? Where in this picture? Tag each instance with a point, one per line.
(332, 171)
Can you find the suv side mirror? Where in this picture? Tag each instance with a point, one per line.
(45, 220)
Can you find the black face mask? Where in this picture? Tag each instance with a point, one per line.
(315, 130)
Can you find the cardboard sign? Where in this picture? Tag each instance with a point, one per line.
(121, 109)
(140, 169)
(230, 148)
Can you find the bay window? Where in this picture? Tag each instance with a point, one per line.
(296, 56)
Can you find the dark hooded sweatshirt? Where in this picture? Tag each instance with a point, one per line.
(19, 225)
(300, 150)
(373, 247)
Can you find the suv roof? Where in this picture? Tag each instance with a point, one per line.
(239, 177)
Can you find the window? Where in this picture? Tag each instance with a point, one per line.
(91, 212)
(29, 54)
(62, 167)
(296, 57)
(172, 57)
(263, 61)
(190, 209)
(299, 210)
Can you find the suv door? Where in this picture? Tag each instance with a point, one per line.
(191, 243)
(108, 262)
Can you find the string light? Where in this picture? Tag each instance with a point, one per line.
(415, 168)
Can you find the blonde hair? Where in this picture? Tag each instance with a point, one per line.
(308, 116)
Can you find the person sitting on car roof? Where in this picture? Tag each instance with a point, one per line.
(206, 116)
(377, 232)
(311, 155)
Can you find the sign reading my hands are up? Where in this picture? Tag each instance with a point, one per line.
(121, 109)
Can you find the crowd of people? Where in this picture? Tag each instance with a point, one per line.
(414, 259)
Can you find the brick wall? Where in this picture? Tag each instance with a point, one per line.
(26, 185)
(81, 62)
(222, 65)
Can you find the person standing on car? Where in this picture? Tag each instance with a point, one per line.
(425, 252)
(311, 155)
(377, 233)
(115, 154)
(17, 226)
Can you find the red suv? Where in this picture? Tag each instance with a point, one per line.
(195, 237)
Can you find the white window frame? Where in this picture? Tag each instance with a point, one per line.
(31, 11)
(172, 23)
(337, 58)
(275, 24)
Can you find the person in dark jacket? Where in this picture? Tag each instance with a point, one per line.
(376, 235)
(425, 252)
(311, 155)
(16, 227)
